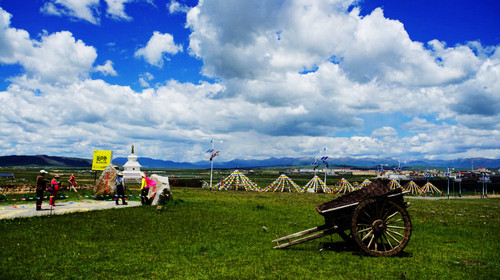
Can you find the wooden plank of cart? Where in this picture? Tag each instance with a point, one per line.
(375, 215)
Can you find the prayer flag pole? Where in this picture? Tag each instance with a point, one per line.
(212, 156)
(324, 158)
(315, 164)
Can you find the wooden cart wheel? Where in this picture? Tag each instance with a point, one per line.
(381, 227)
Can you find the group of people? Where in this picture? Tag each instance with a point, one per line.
(54, 187)
(146, 183)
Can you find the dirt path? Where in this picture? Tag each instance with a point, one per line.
(29, 210)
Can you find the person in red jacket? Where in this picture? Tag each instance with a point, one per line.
(72, 182)
(55, 184)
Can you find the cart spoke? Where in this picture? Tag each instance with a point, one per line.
(371, 240)
(368, 215)
(388, 208)
(386, 213)
(393, 222)
(394, 238)
(391, 216)
(364, 230)
(395, 232)
(364, 219)
(396, 227)
(382, 242)
(382, 212)
(363, 225)
(367, 235)
(388, 242)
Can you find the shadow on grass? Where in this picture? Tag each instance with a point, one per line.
(342, 246)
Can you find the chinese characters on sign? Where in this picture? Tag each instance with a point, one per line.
(101, 160)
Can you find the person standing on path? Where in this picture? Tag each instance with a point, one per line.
(145, 184)
(144, 189)
(41, 184)
(55, 184)
(72, 182)
(120, 189)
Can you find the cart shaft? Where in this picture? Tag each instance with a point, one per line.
(326, 232)
(301, 233)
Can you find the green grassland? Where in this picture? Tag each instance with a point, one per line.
(206, 234)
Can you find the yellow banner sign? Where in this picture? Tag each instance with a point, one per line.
(101, 160)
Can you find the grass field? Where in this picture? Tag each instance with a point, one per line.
(220, 235)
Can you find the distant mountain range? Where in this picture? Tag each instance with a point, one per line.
(304, 162)
(44, 161)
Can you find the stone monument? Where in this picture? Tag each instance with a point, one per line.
(132, 169)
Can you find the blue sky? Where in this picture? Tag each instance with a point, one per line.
(401, 79)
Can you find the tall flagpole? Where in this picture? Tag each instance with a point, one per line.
(324, 158)
(212, 156)
(315, 164)
(211, 165)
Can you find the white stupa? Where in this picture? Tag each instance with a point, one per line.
(132, 168)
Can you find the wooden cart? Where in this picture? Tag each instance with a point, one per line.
(375, 215)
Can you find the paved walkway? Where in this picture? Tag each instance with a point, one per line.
(29, 209)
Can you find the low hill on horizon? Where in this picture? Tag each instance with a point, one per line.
(44, 161)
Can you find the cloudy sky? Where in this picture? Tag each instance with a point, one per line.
(282, 78)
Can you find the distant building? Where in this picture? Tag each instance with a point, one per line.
(398, 177)
(307, 170)
(364, 172)
(483, 169)
(343, 171)
(7, 175)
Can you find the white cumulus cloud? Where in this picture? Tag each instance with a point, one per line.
(116, 9)
(385, 131)
(158, 46)
(56, 58)
(88, 10)
(106, 69)
(176, 7)
(77, 9)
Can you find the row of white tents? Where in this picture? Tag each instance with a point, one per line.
(239, 181)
